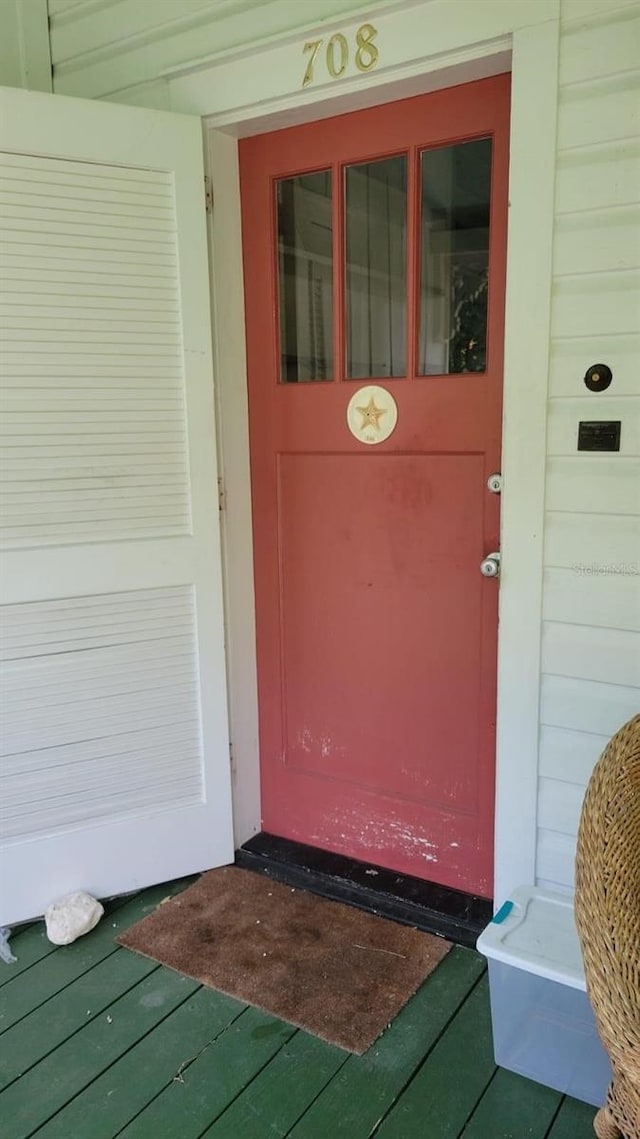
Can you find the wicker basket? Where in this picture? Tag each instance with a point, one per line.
(607, 908)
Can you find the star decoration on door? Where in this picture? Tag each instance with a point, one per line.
(372, 414)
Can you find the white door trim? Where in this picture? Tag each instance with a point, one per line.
(531, 31)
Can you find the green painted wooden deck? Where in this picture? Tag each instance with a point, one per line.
(98, 1042)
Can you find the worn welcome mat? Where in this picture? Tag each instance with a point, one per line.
(332, 970)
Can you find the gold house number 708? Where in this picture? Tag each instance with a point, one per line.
(337, 53)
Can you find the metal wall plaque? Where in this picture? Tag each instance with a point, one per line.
(599, 435)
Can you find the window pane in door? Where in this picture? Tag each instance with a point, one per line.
(456, 184)
(376, 281)
(305, 277)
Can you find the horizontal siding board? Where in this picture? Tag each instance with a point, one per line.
(605, 594)
(555, 862)
(570, 359)
(597, 241)
(596, 483)
(565, 416)
(587, 706)
(595, 177)
(569, 755)
(557, 888)
(598, 111)
(94, 27)
(587, 653)
(585, 12)
(609, 301)
(559, 806)
(607, 48)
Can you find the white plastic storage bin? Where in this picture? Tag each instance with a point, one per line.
(543, 1025)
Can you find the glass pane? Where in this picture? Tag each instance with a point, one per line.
(305, 277)
(376, 244)
(456, 183)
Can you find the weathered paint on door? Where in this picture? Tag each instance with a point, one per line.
(376, 631)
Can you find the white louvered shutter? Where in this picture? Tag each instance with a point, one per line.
(115, 758)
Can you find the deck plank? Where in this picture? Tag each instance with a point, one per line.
(279, 1095)
(443, 1093)
(510, 1097)
(53, 1022)
(188, 1106)
(128, 1086)
(573, 1121)
(366, 1087)
(28, 945)
(45, 1089)
(54, 972)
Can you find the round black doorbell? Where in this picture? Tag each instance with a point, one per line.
(598, 377)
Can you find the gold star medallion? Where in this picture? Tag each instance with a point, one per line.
(372, 414)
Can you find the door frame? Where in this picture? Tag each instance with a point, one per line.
(497, 36)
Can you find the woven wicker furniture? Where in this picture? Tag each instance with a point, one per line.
(607, 908)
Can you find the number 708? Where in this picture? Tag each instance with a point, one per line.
(337, 53)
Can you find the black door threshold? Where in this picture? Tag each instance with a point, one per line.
(435, 909)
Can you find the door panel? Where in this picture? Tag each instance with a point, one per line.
(115, 770)
(405, 584)
(376, 631)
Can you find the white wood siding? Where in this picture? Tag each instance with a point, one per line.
(591, 596)
(104, 50)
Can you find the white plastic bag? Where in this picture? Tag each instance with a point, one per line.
(71, 917)
(5, 953)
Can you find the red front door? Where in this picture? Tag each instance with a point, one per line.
(374, 258)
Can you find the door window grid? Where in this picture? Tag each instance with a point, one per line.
(348, 255)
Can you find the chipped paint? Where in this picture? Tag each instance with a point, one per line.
(382, 834)
(305, 740)
(326, 746)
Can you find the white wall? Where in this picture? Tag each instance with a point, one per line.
(591, 594)
(24, 45)
(130, 50)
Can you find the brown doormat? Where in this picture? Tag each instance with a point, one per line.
(330, 969)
